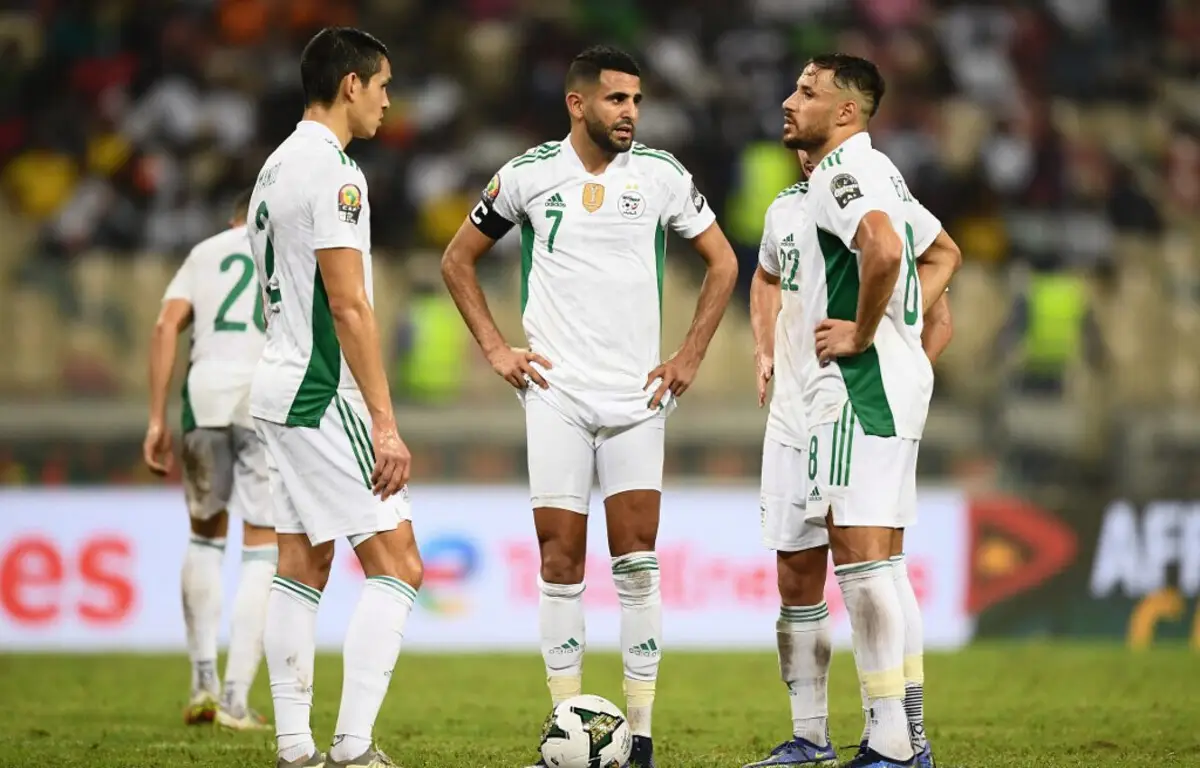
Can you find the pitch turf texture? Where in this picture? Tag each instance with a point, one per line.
(990, 706)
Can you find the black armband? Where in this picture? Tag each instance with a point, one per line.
(487, 221)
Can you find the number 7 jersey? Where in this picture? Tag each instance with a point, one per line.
(309, 196)
(890, 384)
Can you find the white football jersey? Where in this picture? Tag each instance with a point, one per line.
(217, 279)
(309, 196)
(785, 222)
(889, 384)
(593, 254)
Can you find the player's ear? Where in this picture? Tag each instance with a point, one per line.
(847, 112)
(575, 104)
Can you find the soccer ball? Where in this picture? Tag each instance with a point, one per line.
(586, 732)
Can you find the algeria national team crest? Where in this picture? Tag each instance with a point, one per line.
(593, 196)
(631, 204)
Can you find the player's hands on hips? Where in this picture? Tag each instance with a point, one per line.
(515, 364)
(676, 376)
(765, 366)
(156, 449)
(837, 338)
(392, 460)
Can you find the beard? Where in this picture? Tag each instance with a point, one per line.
(807, 139)
(601, 136)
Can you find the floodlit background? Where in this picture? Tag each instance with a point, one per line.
(1058, 141)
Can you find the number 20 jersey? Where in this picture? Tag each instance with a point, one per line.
(217, 279)
(891, 383)
(309, 196)
(593, 257)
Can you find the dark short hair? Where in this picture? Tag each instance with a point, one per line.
(333, 53)
(587, 66)
(241, 203)
(855, 73)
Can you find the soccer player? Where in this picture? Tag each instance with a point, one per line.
(867, 379)
(320, 400)
(801, 544)
(594, 210)
(224, 467)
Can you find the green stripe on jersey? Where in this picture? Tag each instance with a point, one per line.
(641, 150)
(320, 381)
(527, 239)
(861, 372)
(660, 263)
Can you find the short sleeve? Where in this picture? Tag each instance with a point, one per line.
(688, 213)
(926, 228)
(844, 198)
(768, 249)
(337, 197)
(499, 207)
(182, 285)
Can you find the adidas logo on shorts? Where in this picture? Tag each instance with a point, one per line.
(815, 494)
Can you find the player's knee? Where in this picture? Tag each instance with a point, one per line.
(391, 553)
(561, 567)
(301, 562)
(801, 576)
(214, 527)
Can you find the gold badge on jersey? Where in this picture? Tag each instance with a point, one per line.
(593, 196)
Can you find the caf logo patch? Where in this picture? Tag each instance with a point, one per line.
(492, 190)
(349, 203)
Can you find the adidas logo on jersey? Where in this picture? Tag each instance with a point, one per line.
(789, 240)
(555, 201)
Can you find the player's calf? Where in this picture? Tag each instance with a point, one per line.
(259, 558)
(865, 575)
(394, 573)
(289, 643)
(201, 592)
(562, 540)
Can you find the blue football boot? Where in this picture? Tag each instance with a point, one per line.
(798, 751)
(869, 758)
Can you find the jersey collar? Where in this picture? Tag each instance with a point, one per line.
(317, 130)
(620, 161)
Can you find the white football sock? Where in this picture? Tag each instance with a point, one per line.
(201, 581)
(914, 654)
(369, 656)
(249, 621)
(805, 646)
(637, 581)
(289, 641)
(561, 623)
(877, 630)
(866, 702)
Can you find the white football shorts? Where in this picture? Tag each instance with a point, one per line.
(225, 468)
(782, 500)
(867, 481)
(320, 477)
(564, 456)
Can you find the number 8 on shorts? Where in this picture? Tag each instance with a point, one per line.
(866, 481)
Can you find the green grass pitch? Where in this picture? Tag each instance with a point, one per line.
(992, 706)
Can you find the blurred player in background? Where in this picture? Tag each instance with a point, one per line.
(865, 362)
(224, 465)
(320, 399)
(593, 210)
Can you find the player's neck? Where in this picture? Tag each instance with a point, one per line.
(837, 138)
(332, 118)
(594, 159)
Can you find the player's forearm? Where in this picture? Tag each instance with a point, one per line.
(357, 332)
(938, 329)
(764, 309)
(879, 270)
(710, 307)
(463, 284)
(163, 343)
(935, 268)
